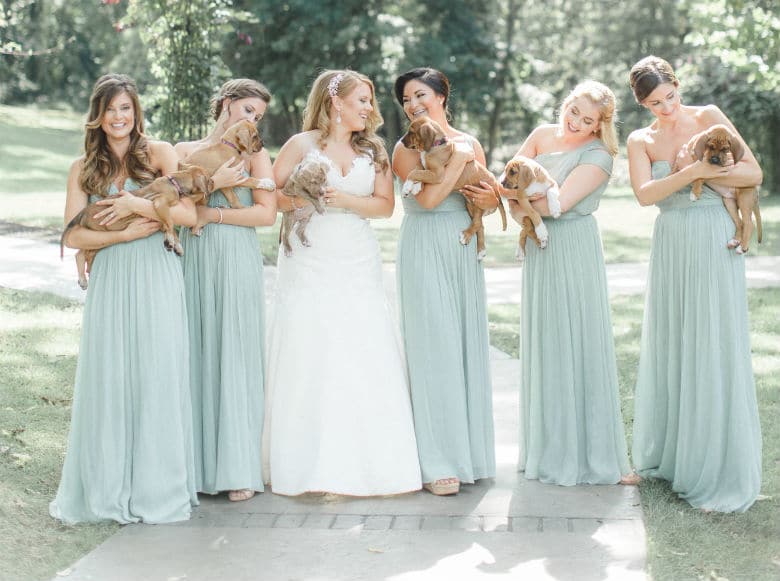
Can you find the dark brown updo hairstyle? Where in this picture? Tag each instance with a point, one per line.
(436, 80)
(647, 74)
(238, 89)
(101, 165)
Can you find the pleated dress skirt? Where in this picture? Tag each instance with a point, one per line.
(443, 312)
(223, 275)
(571, 423)
(130, 455)
(696, 417)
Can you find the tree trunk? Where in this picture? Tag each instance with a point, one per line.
(501, 81)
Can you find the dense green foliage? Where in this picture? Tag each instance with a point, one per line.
(510, 61)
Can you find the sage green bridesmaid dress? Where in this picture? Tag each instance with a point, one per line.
(571, 424)
(130, 455)
(443, 312)
(223, 276)
(696, 418)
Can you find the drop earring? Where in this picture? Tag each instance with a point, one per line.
(338, 115)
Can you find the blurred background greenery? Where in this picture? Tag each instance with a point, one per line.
(510, 61)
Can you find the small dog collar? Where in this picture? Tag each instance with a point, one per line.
(233, 145)
(176, 185)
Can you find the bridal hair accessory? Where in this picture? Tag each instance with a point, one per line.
(333, 85)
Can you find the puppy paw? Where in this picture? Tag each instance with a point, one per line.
(732, 244)
(83, 283)
(481, 254)
(196, 230)
(288, 252)
(178, 249)
(411, 188)
(519, 255)
(464, 239)
(542, 234)
(693, 197)
(553, 203)
(740, 250)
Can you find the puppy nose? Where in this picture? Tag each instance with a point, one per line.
(715, 160)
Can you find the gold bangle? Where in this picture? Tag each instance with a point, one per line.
(220, 215)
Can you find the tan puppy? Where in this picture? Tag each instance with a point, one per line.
(526, 178)
(427, 137)
(239, 141)
(719, 146)
(164, 192)
(307, 182)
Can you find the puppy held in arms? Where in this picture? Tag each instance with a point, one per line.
(719, 146)
(238, 142)
(427, 137)
(164, 192)
(526, 178)
(306, 183)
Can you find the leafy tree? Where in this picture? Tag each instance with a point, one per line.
(54, 50)
(184, 57)
(287, 44)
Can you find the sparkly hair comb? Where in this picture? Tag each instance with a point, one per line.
(333, 85)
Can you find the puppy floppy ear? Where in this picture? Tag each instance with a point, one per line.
(737, 149)
(427, 135)
(700, 146)
(244, 139)
(527, 175)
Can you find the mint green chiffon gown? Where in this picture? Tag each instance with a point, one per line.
(571, 424)
(443, 312)
(223, 276)
(696, 418)
(130, 455)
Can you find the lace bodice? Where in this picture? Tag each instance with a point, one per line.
(358, 181)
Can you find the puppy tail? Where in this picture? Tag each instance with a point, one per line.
(73, 223)
(502, 211)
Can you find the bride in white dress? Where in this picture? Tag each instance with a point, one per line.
(338, 413)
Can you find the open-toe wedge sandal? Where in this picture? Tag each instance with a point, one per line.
(240, 495)
(442, 488)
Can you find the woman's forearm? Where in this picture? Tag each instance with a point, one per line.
(85, 239)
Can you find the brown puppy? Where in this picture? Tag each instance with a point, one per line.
(526, 178)
(164, 192)
(427, 137)
(719, 146)
(308, 183)
(240, 140)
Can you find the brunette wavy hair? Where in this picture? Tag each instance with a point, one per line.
(317, 113)
(101, 165)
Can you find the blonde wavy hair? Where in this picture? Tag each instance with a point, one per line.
(316, 115)
(101, 165)
(238, 89)
(603, 98)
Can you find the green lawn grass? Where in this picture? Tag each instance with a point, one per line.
(39, 335)
(684, 543)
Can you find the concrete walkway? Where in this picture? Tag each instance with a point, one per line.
(33, 264)
(507, 528)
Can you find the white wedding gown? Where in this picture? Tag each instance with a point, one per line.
(338, 413)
